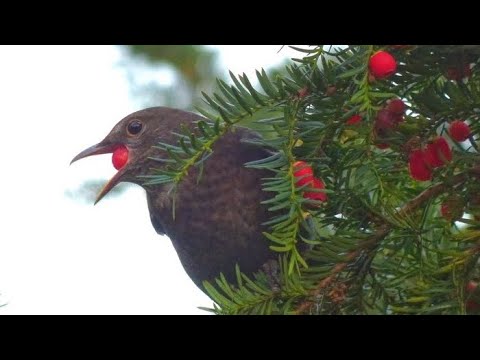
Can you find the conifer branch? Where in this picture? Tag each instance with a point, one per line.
(372, 243)
(377, 236)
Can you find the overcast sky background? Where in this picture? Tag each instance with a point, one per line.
(61, 256)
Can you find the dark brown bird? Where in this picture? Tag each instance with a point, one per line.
(218, 220)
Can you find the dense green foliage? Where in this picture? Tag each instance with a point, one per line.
(379, 245)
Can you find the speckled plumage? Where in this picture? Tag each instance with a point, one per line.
(218, 219)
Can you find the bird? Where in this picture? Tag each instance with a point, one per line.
(219, 217)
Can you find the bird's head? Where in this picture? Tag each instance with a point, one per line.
(134, 137)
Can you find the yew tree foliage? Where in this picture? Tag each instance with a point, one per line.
(380, 243)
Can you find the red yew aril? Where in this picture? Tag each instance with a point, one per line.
(382, 65)
(355, 119)
(459, 130)
(417, 167)
(304, 173)
(120, 157)
(438, 152)
(316, 184)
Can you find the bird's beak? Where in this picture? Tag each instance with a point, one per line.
(99, 149)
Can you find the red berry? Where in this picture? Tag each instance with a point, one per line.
(417, 167)
(471, 286)
(321, 196)
(355, 119)
(384, 122)
(457, 74)
(304, 172)
(303, 92)
(459, 130)
(443, 149)
(382, 65)
(382, 146)
(396, 106)
(445, 211)
(437, 153)
(472, 305)
(431, 156)
(120, 157)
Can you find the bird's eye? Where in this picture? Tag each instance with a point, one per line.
(134, 127)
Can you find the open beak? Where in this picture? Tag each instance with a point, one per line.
(99, 149)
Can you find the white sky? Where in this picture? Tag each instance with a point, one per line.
(60, 256)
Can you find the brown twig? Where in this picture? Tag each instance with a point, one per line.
(370, 243)
(408, 209)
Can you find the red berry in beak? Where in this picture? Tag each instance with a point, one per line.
(120, 157)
